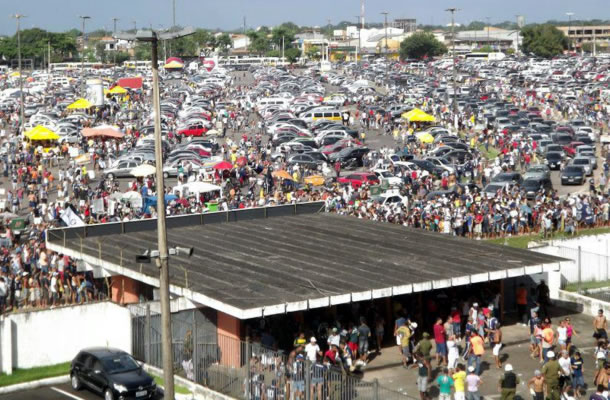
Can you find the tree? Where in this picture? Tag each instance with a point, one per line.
(292, 54)
(543, 40)
(420, 45)
(223, 43)
(142, 51)
(313, 52)
(258, 41)
(486, 49)
(121, 57)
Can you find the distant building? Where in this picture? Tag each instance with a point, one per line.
(408, 25)
(497, 39)
(587, 34)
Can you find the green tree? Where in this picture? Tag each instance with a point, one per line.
(292, 54)
(259, 43)
(313, 52)
(543, 40)
(485, 49)
(421, 44)
(100, 52)
(142, 51)
(223, 43)
(121, 57)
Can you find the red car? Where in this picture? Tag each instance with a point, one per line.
(570, 149)
(193, 130)
(340, 145)
(358, 179)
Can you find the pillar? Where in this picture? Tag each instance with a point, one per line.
(229, 340)
(125, 290)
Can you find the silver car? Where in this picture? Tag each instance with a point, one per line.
(584, 162)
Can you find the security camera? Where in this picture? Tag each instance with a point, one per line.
(184, 251)
(143, 258)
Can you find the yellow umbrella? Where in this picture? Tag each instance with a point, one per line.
(417, 115)
(80, 104)
(118, 90)
(315, 180)
(39, 132)
(282, 174)
(425, 137)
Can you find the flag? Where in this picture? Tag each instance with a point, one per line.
(71, 218)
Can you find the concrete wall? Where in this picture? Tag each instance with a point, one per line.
(580, 303)
(54, 336)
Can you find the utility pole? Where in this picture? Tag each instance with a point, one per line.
(328, 44)
(569, 14)
(173, 13)
(114, 20)
(488, 31)
(135, 26)
(452, 11)
(385, 24)
(283, 49)
(21, 116)
(358, 29)
(49, 56)
(82, 58)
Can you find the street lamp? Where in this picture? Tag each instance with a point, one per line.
(359, 43)
(385, 24)
(82, 58)
(569, 14)
(153, 38)
(452, 11)
(114, 20)
(21, 116)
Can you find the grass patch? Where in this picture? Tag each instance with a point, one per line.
(490, 154)
(34, 374)
(521, 242)
(584, 286)
(177, 388)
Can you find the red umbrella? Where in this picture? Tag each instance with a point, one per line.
(223, 165)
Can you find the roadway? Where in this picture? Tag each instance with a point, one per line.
(57, 392)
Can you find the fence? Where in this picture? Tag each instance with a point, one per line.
(242, 369)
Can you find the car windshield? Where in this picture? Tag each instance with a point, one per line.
(119, 364)
(581, 161)
(530, 183)
(573, 169)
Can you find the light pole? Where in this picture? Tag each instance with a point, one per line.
(385, 24)
(21, 116)
(569, 14)
(518, 30)
(452, 11)
(487, 18)
(163, 260)
(358, 29)
(82, 58)
(114, 20)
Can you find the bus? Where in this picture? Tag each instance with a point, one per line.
(72, 66)
(138, 65)
(245, 62)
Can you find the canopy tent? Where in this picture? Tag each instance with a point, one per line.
(117, 90)
(173, 65)
(151, 201)
(143, 170)
(315, 180)
(223, 165)
(196, 188)
(103, 131)
(417, 115)
(40, 132)
(80, 104)
(425, 137)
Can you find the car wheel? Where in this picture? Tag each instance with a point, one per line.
(165, 175)
(108, 394)
(75, 382)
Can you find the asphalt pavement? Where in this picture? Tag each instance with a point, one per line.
(57, 392)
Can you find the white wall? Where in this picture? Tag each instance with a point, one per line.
(594, 257)
(54, 336)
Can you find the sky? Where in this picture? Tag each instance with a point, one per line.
(62, 15)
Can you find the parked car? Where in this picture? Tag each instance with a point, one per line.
(358, 179)
(121, 170)
(112, 373)
(573, 175)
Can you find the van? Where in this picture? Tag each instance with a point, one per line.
(273, 101)
(61, 81)
(315, 115)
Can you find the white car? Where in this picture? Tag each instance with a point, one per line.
(385, 175)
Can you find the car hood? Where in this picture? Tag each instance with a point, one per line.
(133, 379)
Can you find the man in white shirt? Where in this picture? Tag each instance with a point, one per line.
(312, 350)
(334, 338)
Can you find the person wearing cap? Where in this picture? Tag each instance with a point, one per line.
(313, 350)
(424, 346)
(473, 381)
(536, 385)
(551, 371)
(507, 385)
(334, 339)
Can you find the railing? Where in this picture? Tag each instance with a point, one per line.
(245, 370)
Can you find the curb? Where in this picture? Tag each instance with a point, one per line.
(58, 380)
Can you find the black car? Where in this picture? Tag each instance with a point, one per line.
(428, 166)
(573, 175)
(304, 159)
(531, 186)
(553, 159)
(349, 156)
(509, 177)
(112, 373)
